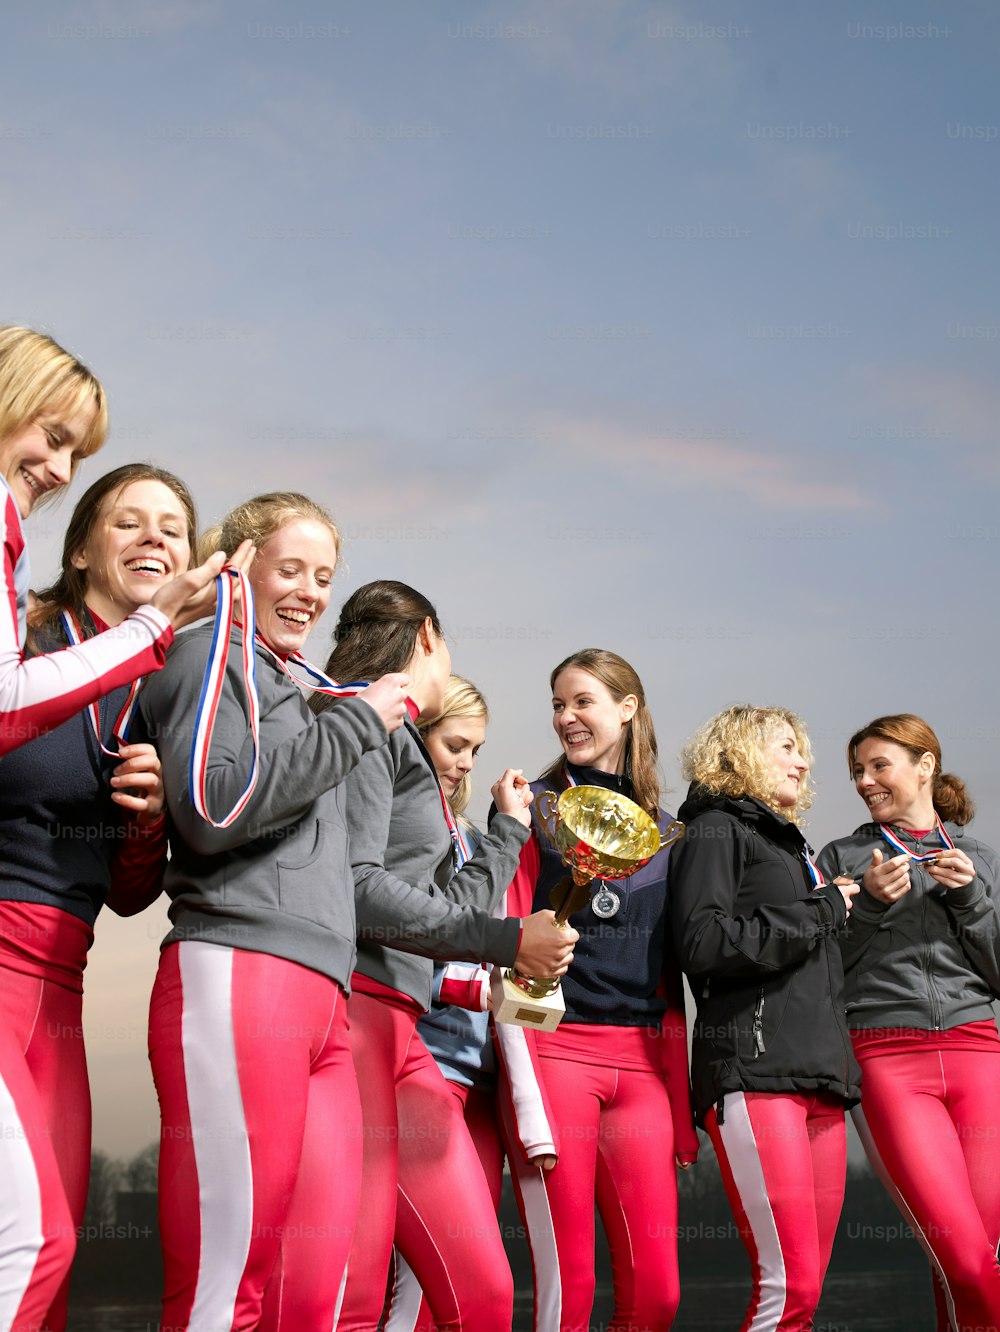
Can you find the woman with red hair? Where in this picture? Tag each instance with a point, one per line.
(922, 963)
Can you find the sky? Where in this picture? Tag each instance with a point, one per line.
(668, 328)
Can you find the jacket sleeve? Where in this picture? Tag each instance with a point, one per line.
(42, 693)
(674, 1034)
(867, 912)
(138, 867)
(412, 918)
(528, 1119)
(463, 985)
(294, 770)
(712, 937)
(976, 920)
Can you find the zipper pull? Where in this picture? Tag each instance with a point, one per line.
(758, 1025)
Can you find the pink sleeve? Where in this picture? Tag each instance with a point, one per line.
(41, 693)
(138, 866)
(465, 985)
(675, 1067)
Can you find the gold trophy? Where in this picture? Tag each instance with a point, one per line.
(601, 834)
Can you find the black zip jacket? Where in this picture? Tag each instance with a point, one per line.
(759, 946)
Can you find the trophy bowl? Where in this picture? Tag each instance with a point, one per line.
(601, 834)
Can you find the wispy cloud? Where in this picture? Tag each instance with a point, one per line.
(770, 478)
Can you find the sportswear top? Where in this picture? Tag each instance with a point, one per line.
(38, 694)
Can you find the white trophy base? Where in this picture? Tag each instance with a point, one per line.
(517, 1009)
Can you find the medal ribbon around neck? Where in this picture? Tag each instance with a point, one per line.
(815, 873)
(894, 841)
(459, 845)
(211, 691)
(320, 683)
(120, 730)
(211, 694)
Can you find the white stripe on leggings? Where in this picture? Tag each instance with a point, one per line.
(21, 1215)
(736, 1132)
(218, 1129)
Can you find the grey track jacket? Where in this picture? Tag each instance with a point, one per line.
(931, 960)
(278, 880)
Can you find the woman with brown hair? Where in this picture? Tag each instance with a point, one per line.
(607, 1114)
(80, 824)
(423, 1179)
(922, 964)
(771, 1062)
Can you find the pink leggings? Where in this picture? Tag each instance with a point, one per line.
(259, 1144)
(616, 1147)
(930, 1123)
(44, 1148)
(423, 1179)
(409, 1310)
(783, 1159)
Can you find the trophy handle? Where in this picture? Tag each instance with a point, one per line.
(673, 833)
(569, 896)
(546, 806)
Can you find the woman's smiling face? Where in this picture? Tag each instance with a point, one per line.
(291, 577)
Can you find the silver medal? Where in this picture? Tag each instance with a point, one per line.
(605, 903)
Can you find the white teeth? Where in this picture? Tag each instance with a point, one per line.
(146, 565)
(294, 617)
(877, 799)
(36, 488)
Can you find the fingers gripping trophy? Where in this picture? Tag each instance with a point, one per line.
(601, 835)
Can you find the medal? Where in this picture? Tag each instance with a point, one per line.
(605, 903)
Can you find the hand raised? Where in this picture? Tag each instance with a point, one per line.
(887, 880)
(387, 696)
(512, 795)
(191, 596)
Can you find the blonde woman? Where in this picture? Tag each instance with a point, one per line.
(260, 1158)
(456, 1028)
(772, 1066)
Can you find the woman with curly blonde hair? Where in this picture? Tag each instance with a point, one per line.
(772, 1066)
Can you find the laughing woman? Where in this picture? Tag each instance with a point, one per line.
(610, 1095)
(922, 962)
(772, 1066)
(80, 824)
(53, 413)
(259, 1154)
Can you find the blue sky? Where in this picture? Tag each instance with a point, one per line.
(661, 327)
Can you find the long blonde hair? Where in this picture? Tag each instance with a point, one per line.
(461, 699)
(726, 756)
(258, 519)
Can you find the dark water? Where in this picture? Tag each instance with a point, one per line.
(867, 1302)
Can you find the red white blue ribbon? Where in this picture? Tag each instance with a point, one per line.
(459, 844)
(320, 683)
(120, 729)
(815, 873)
(894, 841)
(211, 695)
